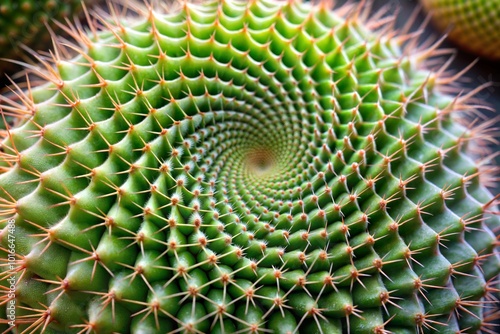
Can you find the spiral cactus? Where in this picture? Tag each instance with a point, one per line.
(474, 25)
(24, 22)
(245, 167)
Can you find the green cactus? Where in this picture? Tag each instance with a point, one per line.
(246, 167)
(23, 22)
(474, 25)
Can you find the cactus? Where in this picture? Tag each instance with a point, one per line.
(24, 22)
(246, 167)
(472, 25)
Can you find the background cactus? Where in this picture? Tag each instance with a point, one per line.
(25, 21)
(246, 167)
(474, 25)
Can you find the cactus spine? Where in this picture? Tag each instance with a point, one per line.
(246, 167)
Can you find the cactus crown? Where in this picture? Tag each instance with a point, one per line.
(244, 168)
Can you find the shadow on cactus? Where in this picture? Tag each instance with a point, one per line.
(246, 167)
(24, 23)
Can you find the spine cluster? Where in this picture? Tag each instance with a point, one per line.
(245, 167)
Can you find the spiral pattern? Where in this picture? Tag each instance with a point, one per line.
(243, 168)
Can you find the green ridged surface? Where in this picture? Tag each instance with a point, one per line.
(474, 25)
(247, 168)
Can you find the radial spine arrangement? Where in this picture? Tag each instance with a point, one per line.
(243, 168)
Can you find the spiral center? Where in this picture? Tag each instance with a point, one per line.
(261, 162)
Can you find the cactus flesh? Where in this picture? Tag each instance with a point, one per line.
(245, 167)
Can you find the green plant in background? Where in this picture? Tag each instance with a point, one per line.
(246, 167)
(24, 22)
(474, 25)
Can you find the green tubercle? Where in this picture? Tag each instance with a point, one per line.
(245, 167)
